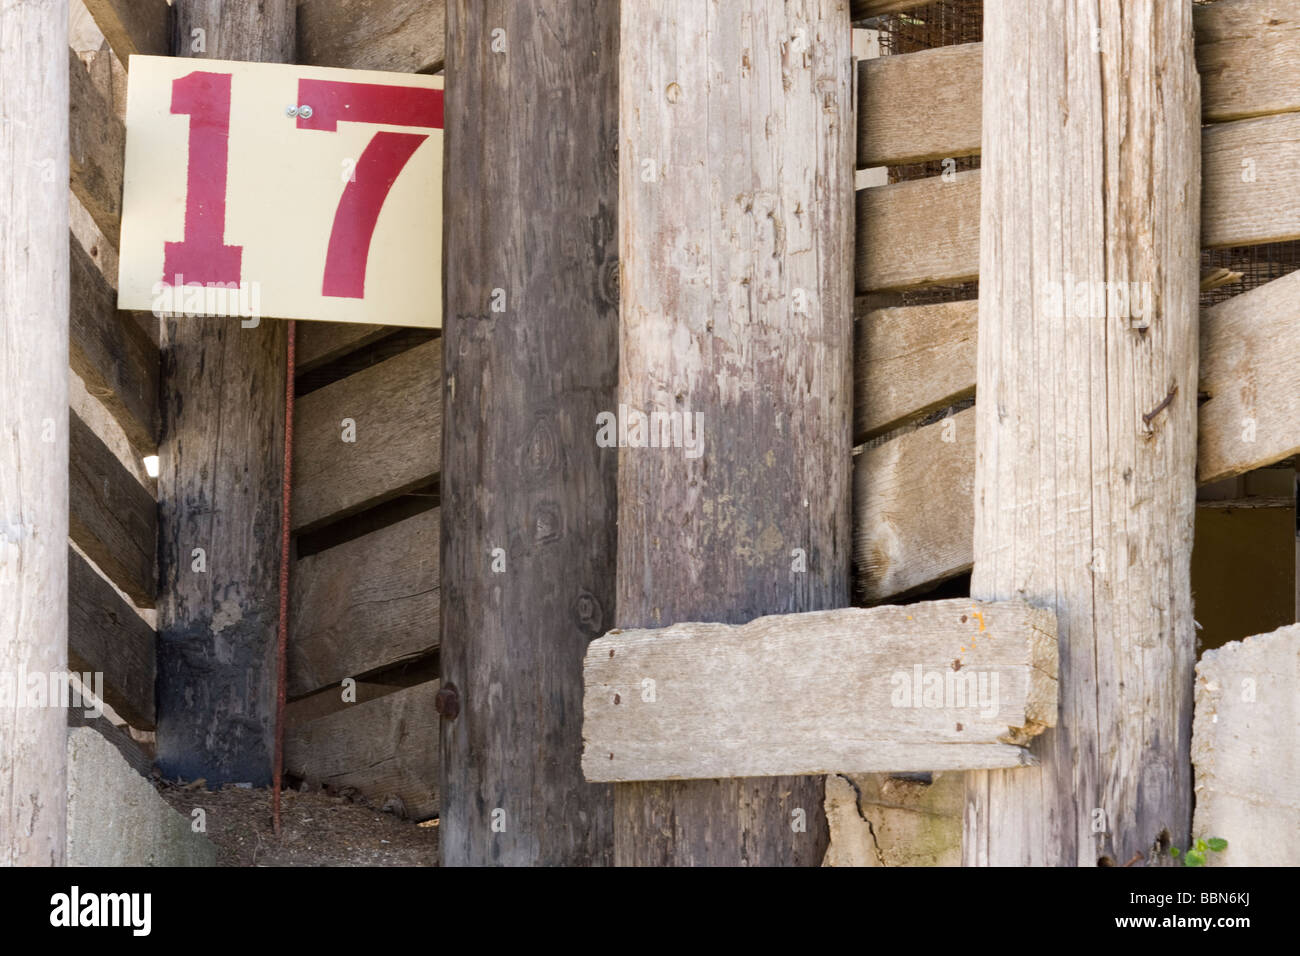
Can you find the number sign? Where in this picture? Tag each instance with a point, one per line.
(265, 190)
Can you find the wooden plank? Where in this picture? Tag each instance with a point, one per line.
(1249, 349)
(401, 36)
(320, 343)
(113, 518)
(397, 410)
(522, 469)
(1250, 171)
(911, 360)
(914, 508)
(33, 404)
(133, 26)
(862, 9)
(942, 685)
(97, 140)
(112, 354)
(751, 334)
(918, 233)
(1085, 463)
(386, 749)
(365, 604)
(220, 486)
(916, 107)
(106, 635)
(1248, 54)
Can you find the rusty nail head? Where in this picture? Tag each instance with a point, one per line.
(447, 702)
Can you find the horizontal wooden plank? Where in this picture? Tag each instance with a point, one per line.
(112, 353)
(133, 26)
(387, 749)
(916, 107)
(862, 9)
(1248, 55)
(914, 508)
(365, 604)
(1249, 171)
(918, 233)
(1250, 369)
(942, 685)
(397, 410)
(911, 360)
(97, 141)
(402, 36)
(319, 343)
(107, 636)
(112, 517)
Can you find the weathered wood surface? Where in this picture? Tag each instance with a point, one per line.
(401, 36)
(861, 9)
(111, 353)
(736, 262)
(133, 26)
(113, 518)
(1250, 171)
(914, 508)
(530, 212)
(33, 410)
(913, 513)
(1248, 54)
(1250, 369)
(911, 360)
(386, 749)
(122, 741)
(1086, 427)
(918, 233)
(916, 107)
(364, 604)
(319, 343)
(1244, 748)
(396, 410)
(220, 486)
(97, 151)
(106, 635)
(942, 685)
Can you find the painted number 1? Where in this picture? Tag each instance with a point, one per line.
(203, 257)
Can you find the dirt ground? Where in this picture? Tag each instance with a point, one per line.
(320, 829)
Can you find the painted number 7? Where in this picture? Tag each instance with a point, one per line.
(334, 101)
(203, 257)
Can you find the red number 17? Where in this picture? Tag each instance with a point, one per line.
(202, 255)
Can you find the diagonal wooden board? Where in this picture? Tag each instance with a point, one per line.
(943, 685)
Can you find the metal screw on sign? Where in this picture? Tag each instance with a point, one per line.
(304, 111)
(291, 111)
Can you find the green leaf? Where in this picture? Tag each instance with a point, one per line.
(1217, 844)
(1200, 846)
(1174, 851)
(1194, 859)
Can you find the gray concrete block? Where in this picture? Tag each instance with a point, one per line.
(117, 818)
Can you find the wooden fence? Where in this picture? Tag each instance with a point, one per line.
(913, 512)
(364, 603)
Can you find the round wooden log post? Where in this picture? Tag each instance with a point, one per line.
(33, 428)
(219, 487)
(735, 232)
(530, 353)
(1086, 415)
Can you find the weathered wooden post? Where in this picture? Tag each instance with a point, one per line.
(530, 354)
(219, 487)
(735, 224)
(33, 429)
(1086, 414)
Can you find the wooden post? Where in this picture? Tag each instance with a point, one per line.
(736, 240)
(1086, 415)
(530, 354)
(219, 487)
(33, 428)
